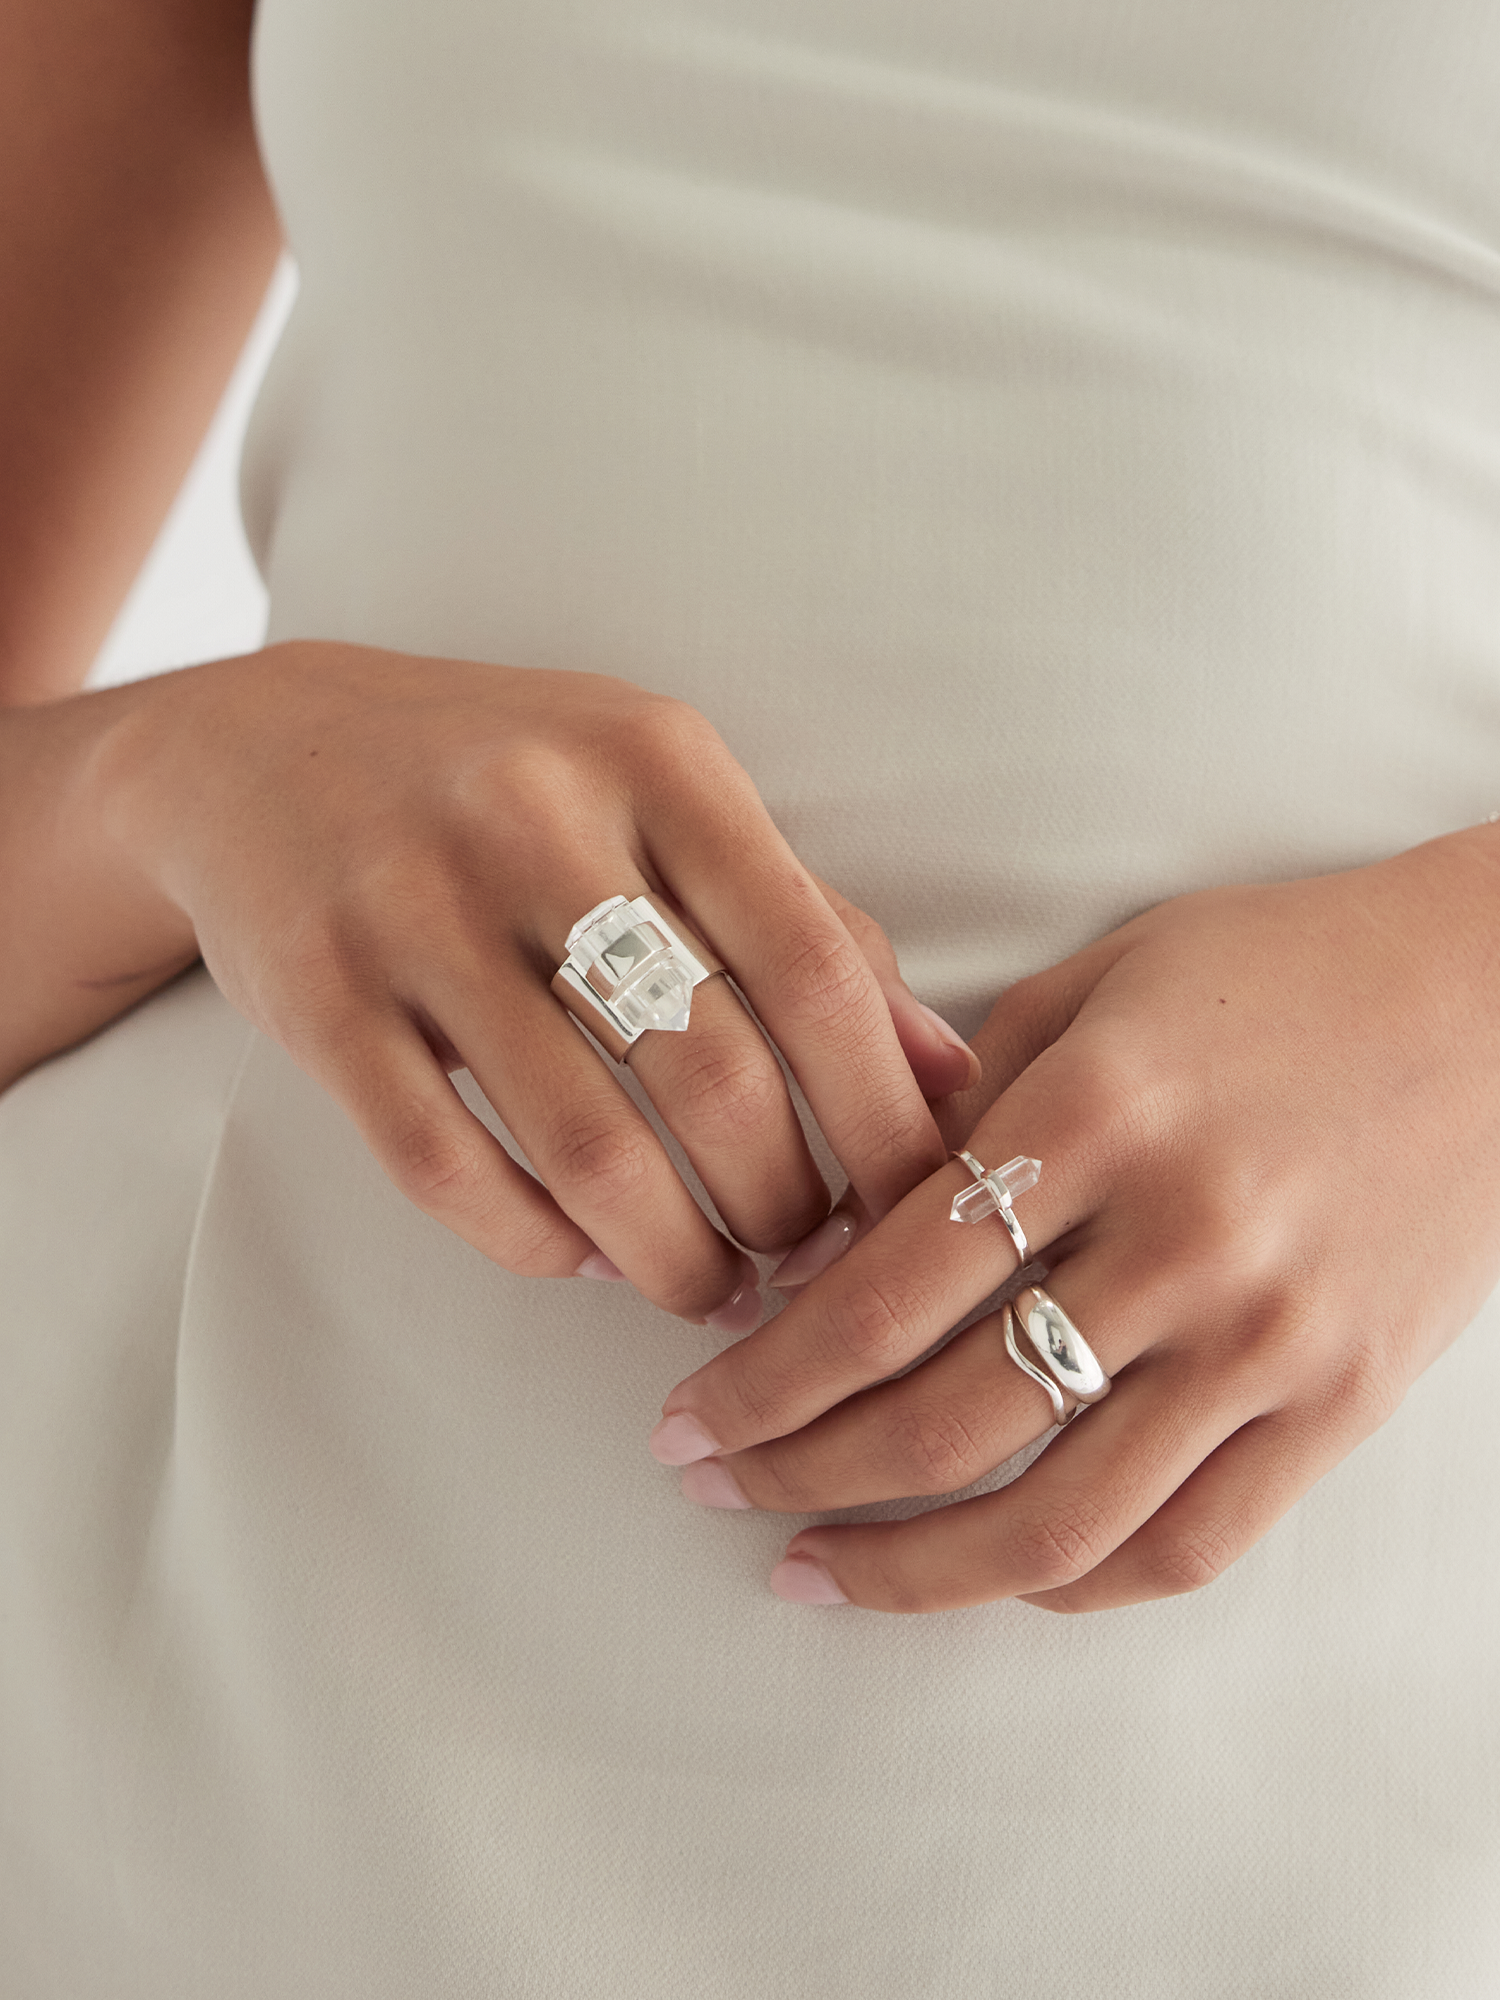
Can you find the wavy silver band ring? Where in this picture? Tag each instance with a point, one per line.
(630, 969)
(1068, 1360)
(992, 1192)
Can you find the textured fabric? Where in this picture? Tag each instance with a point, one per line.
(1060, 449)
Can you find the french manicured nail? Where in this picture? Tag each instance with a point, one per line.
(815, 1253)
(678, 1440)
(800, 1580)
(741, 1314)
(710, 1482)
(953, 1040)
(597, 1265)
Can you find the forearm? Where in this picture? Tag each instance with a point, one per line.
(84, 934)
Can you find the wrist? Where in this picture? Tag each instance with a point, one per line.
(84, 933)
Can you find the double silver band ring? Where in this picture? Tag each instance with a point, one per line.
(1068, 1362)
(631, 969)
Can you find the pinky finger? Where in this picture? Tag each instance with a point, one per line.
(444, 1160)
(1236, 1496)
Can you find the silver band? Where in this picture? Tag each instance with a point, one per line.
(992, 1191)
(1061, 1414)
(1070, 1362)
(630, 969)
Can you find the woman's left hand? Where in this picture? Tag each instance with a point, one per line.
(1269, 1121)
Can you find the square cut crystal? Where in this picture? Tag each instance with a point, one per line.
(619, 957)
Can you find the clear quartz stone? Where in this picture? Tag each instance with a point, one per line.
(1018, 1176)
(658, 996)
(630, 963)
(974, 1204)
(982, 1198)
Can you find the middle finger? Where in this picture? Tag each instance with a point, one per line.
(720, 1091)
(880, 1307)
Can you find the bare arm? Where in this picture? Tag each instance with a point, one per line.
(137, 236)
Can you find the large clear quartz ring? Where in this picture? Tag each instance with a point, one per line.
(992, 1192)
(1070, 1363)
(629, 970)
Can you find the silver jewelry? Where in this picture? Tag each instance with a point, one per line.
(629, 969)
(991, 1193)
(1061, 1414)
(1070, 1362)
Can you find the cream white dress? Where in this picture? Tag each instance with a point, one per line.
(1059, 447)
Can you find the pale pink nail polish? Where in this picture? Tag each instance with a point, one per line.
(815, 1253)
(951, 1038)
(679, 1439)
(711, 1484)
(800, 1580)
(741, 1314)
(597, 1265)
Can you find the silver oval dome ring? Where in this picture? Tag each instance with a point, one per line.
(1068, 1362)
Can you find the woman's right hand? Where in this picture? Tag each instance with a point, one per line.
(381, 857)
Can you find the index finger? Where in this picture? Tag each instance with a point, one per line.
(880, 1307)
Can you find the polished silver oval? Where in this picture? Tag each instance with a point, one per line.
(1067, 1355)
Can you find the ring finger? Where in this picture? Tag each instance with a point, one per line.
(716, 1083)
(940, 1427)
(721, 1093)
(594, 1151)
(1085, 1495)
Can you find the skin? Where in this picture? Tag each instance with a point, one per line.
(1270, 1126)
(136, 239)
(378, 856)
(1269, 1118)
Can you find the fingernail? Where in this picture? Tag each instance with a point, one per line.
(710, 1482)
(952, 1039)
(597, 1265)
(815, 1253)
(800, 1580)
(741, 1314)
(679, 1439)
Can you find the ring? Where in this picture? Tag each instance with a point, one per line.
(629, 970)
(991, 1193)
(1069, 1361)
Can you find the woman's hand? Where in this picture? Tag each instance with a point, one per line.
(1269, 1121)
(381, 858)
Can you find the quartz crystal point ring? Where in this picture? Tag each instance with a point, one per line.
(1066, 1357)
(992, 1192)
(629, 969)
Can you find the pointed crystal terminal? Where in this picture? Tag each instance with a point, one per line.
(1017, 1176)
(634, 969)
(660, 995)
(994, 1190)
